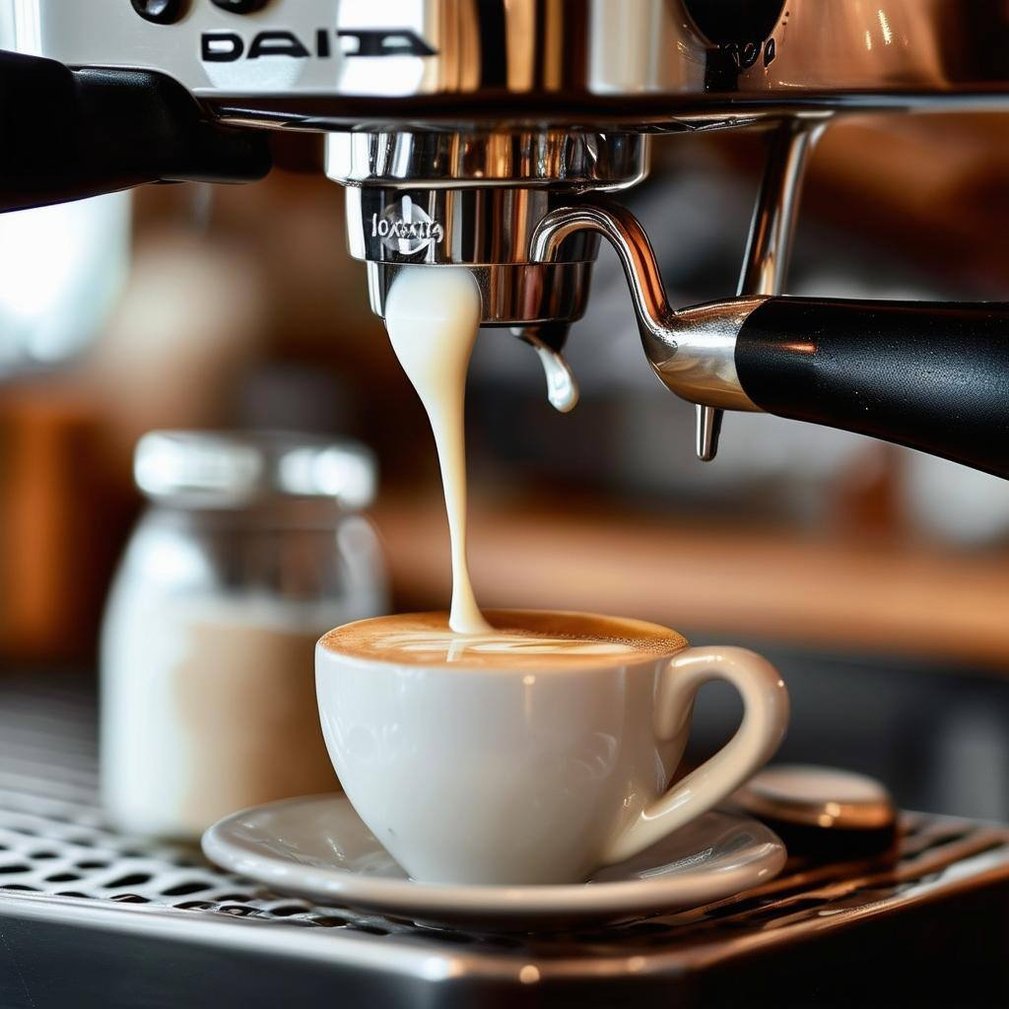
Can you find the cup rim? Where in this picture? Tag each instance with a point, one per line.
(584, 663)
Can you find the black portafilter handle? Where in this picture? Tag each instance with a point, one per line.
(67, 134)
(932, 376)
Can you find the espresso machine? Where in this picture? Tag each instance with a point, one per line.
(492, 133)
(497, 135)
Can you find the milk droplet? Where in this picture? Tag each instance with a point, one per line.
(562, 389)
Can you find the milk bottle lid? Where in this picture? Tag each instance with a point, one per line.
(220, 469)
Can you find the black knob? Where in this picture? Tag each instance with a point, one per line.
(161, 12)
(724, 22)
(240, 6)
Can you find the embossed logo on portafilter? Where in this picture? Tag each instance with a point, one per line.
(405, 228)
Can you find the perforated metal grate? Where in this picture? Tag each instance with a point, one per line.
(53, 839)
(53, 842)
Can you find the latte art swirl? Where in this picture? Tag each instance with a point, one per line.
(450, 646)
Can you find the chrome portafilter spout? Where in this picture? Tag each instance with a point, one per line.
(692, 350)
(474, 199)
(928, 375)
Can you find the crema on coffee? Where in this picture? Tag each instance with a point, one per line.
(514, 639)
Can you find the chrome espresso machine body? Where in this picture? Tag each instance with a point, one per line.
(490, 133)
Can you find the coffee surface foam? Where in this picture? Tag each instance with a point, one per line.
(517, 639)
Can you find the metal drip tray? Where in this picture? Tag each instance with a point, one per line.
(92, 918)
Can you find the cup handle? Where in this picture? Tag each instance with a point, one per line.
(765, 717)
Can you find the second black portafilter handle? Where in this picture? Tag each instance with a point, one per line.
(932, 376)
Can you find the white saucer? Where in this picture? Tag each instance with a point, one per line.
(317, 847)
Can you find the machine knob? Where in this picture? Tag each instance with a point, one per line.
(735, 22)
(240, 6)
(740, 33)
(161, 12)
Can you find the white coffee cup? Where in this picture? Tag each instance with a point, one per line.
(469, 774)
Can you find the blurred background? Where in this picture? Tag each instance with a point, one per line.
(876, 577)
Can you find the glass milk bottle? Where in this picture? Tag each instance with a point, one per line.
(254, 546)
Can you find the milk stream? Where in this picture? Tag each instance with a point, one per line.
(433, 316)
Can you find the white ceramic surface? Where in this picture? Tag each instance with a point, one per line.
(535, 774)
(317, 847)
